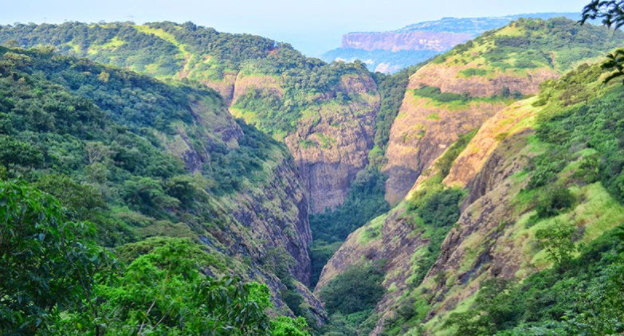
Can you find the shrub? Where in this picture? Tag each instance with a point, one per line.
(356, 289)
(553, 201)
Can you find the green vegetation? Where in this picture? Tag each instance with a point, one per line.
(121, 176)
(554, 201)
(57, 280)
(558, 241)
(445, 162)
(350, 299)
(357, 289)
(433, 209)
(578, 128)
(192, 53)
(473, 72)
(568, 122)
(364, 202)
(582, 299)
(440, 97)
(530, 44)
(436, 211)
(137, 158)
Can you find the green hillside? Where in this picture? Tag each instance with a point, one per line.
(149, 170)
(167, 50)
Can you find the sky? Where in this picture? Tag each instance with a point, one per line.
(312, 26)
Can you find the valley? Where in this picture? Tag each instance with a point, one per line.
(180, 170)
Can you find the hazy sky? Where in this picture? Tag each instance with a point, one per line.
(312, 26)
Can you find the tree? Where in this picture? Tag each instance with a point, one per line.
(164, 292)
(558, 240)
(14, 152)
(611, 12)
(47, 263)
(357, 289)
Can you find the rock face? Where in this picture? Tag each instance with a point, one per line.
(470, 162)
(332, 145)
(458, 92)
(421, 133)
(483, 210)
(474, 247)
(268, 214)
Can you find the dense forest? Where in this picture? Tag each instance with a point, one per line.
(167, 50)
(84, 156)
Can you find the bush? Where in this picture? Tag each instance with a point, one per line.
(356, 289)
(554, 201)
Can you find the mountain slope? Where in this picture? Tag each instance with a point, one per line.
(157, 160)
(458, 91)
(324, 113)
(489, 203)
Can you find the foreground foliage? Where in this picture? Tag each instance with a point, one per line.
(56, 279)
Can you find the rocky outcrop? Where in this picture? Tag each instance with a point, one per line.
(332, 140)
(421, 133)
(276, 213)
(477, 247)
(424, 128)
(449, 78)
(265, 216)
(484, 209)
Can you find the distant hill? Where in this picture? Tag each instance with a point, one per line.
(391, 51)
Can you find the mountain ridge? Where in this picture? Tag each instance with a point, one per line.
(379, 49)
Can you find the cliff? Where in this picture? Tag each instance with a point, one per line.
(395, 41)
(165, 161)
(330, 141)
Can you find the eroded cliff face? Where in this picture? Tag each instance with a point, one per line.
(462, 262)
(331, 141)
(422, 131)
(471, 161)
(449, 77)
(331, 145)
(492, 237)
